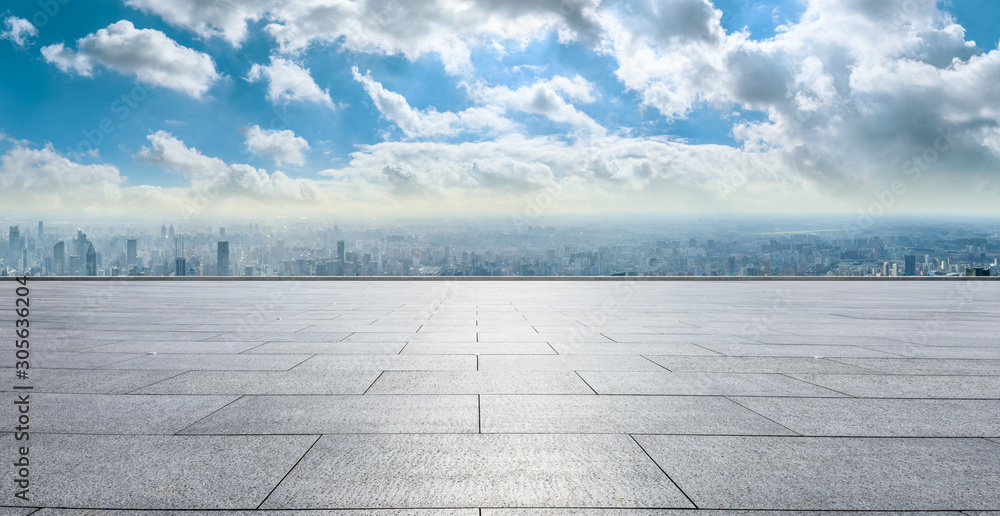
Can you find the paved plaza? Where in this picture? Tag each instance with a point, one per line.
(507, 398)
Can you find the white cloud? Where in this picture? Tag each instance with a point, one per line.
(544, 98)
(414, 28)
(228, 180)
(148, 54)
(289, 82)
(283, 146)
(850, 91)
(208, 18)
(430, 122)
(19, 31)
(43, 177)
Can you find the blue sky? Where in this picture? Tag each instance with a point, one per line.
(673, 105)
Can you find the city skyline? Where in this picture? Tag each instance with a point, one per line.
(755, 246)
(184, 109)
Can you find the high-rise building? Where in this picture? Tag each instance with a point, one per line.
(91, 260)
(222, 232)
(180, 267)
(74, 265)
(130, 253)
(223, 258)
(171, 232)
(14, 246)
(163, 231)
(40, 232)
(59, 258)
(910, 265)
(340, 250)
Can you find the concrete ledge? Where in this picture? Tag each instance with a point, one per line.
(506, 278)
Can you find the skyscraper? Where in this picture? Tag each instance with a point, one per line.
(91, 261)
(910, 265)
(59, 257)
(223, 258)
(340, 250)
(40, 232)
(14, 246)
(180, 267)
(163, 231)
(171, 233)
(130, 253)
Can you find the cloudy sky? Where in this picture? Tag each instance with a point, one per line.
(379, 107)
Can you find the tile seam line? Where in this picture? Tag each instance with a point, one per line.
(636, 441)
(798, 434)
(216, 411)
(789, 376)
(289, 472)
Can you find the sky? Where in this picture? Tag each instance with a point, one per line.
(204, 108)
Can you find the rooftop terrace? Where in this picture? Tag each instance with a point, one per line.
(504, 398)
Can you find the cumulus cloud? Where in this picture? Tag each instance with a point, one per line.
(19, 31)
(149, 55)
(546, 98)
(846, 112)
(414, 28)
(207, 18)
(31, 177)
(213, 174)
(283, 146)
(430, 122)
(289, 82)
(614, 174)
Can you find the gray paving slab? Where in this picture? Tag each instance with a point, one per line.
(778, 365)
(622, 414)
(700, 512)
(826, 340)
(165, 333)
(204, 362)
(924, 366)
(908, 386)
(917, 351)
(881, 417)
(479, 382)
(277, 336)
(303, 382)
(478, 470)
(87, 381)
(566, 363)
(477, 348)
(114, 413)
(390, 362)
(165, 346)
(343, 414)
(793, 473)
(328, 348)
(336, 512)
(791, 350)
(68, 360)
(164, 472)
(700, 384)
(630, 348)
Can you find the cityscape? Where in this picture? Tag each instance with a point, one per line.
(562, 246)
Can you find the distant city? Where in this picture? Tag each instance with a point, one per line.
(563, 246)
